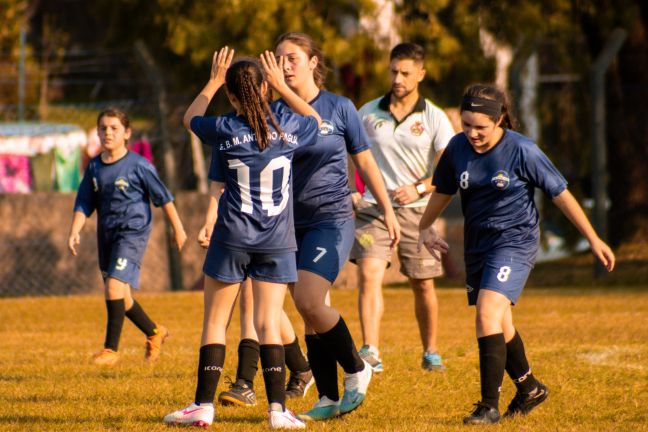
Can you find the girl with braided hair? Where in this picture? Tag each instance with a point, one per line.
(249, 221)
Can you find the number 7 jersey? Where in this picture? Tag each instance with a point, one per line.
(255, 212)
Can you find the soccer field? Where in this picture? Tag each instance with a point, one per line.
(590, 346)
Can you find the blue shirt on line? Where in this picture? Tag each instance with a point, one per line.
(497, 188)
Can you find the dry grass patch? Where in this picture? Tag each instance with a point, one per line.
(589, 346)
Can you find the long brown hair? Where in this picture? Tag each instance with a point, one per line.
(243, 79)
(311, 49)
(491, 92)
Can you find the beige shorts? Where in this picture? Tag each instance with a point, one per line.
(372, 240)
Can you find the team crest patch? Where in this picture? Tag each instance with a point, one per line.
(500, 180)
(121, 183)
(326, 128)
(417, 128)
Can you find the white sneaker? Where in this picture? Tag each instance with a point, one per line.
(194, 415)
(355, 388)
(284, 420)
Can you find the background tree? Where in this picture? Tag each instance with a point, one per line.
(566, 36)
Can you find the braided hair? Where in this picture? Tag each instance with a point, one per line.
(243, 79)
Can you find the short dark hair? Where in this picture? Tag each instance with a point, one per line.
(407, 51)
(115, 112)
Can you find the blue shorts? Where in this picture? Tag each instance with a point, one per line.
(232, 266)
(500, 275)
(120, 257)
(324, 248)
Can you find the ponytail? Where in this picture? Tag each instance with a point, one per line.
(243, 80)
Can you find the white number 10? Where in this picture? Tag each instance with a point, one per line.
(266, 180)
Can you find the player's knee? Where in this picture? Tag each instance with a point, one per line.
(307, 307)
(422, 285)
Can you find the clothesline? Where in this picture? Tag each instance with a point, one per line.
(30, 139)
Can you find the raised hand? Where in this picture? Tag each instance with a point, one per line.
(273, 71)
(220, 62)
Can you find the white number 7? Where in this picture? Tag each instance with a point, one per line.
(321, 254)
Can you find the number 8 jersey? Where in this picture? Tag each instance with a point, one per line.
(255, 212)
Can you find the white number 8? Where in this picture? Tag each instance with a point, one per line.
(463, 180)
(504, 273)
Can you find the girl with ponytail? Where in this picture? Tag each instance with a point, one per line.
(249, 224)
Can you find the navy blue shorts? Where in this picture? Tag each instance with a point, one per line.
(324, 248)
(504, 276)
(120, 257)
(232, 266)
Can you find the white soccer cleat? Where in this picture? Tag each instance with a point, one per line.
(355, 388)
(284, 420)
(194, 415)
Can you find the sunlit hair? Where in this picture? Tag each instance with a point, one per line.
(311, 49)
(491, 92)
(407, 51)
(114, 112)
(243, 80)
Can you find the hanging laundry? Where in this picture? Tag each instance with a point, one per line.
(67, 167)
(14, 174)
(143, 148)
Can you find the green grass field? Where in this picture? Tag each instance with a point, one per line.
(590, 346)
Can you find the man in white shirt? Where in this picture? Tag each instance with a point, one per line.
(408, 133)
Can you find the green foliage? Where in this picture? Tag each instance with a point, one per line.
(13, 18)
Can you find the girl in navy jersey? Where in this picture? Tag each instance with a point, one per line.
(496, 171)
(324, 224)
(119, 184)
(251, 207)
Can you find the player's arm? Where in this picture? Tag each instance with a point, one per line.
(221, 61)
(368, 169)
(215, 191)
(78, 221)
(178, 230)
(567, 204)
(428, 236)
(275, 78)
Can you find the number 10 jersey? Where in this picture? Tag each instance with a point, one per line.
(255, 212)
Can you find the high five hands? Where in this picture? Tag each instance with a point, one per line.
(220, 62)
(273, 69)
